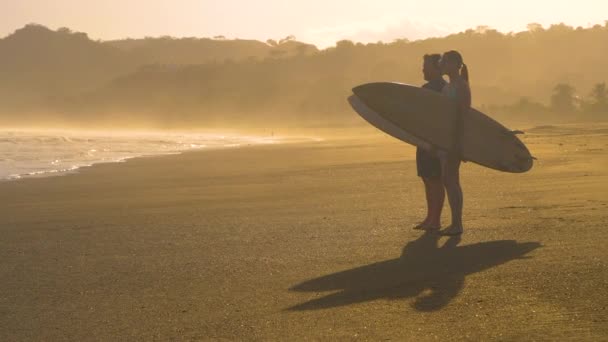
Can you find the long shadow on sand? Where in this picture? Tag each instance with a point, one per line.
(433, 275)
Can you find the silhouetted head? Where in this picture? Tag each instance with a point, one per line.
(430, 67)
(452, 64)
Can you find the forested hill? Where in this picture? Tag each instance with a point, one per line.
(190, 80)
(37, 63)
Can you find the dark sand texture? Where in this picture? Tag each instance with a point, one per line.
(308, 241)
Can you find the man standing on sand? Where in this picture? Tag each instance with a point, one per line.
(427, 163)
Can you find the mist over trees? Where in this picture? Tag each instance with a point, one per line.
(556, 73)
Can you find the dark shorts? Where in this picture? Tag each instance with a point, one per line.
(428, 165)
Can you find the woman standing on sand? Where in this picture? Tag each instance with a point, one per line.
(458, 89)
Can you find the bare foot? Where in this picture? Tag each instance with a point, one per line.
(433, 226)
(428, 226)
(421, 226)
(452, 230)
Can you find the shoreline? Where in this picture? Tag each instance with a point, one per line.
(87, 164)
(322, 142)
(77, 169)
(368, 132)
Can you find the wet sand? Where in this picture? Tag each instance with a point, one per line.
(306, 242)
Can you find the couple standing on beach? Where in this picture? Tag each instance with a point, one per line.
(439, 170)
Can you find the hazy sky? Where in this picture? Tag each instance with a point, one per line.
(317, 21)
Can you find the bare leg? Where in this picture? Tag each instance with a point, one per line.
(437, 197)
(451, 180)
(428, 193)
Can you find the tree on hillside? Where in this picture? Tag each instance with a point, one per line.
(344, 44)
(290, 38)
(402, 41)
(598, 99)
(64, 30)
(600, 93)
(563, 99)
(482, 29)
(535, 27)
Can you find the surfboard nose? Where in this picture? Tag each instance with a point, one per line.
(367, 90)
(362, 90)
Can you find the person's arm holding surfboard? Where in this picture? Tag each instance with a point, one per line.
(464, 105)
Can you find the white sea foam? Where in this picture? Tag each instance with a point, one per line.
(44, 153)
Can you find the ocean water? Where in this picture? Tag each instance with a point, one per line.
(45, 153)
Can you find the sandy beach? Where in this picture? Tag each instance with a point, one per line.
(309, 241)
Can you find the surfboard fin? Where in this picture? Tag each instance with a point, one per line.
(525, 158)
(516, 132)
